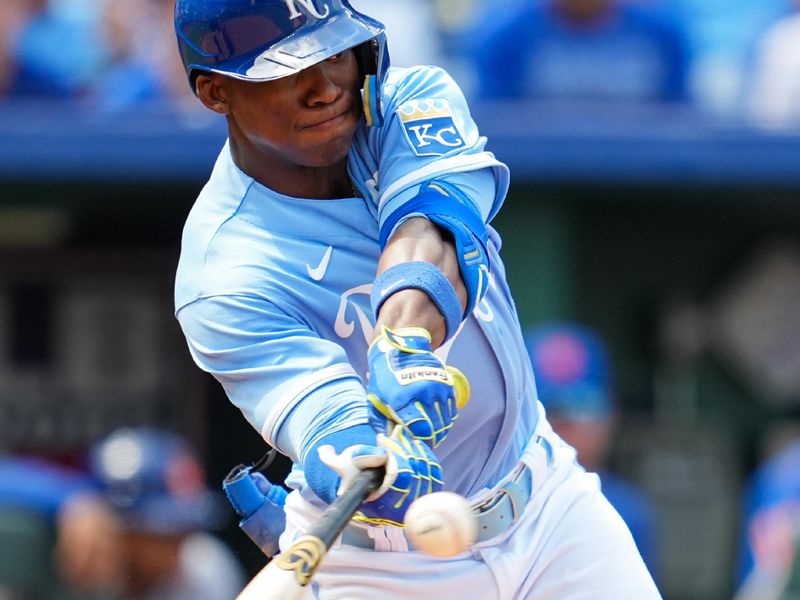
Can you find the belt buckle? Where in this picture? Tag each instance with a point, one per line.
(502, 493)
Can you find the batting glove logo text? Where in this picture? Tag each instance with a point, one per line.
(409, 376)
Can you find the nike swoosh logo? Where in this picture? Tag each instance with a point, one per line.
(318, 272)
(389, 288)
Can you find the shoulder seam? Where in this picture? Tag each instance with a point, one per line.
(226, 220)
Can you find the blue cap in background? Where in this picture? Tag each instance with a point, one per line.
(154, 481)
(572, 370)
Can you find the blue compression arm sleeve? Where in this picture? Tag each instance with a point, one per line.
(330, 408)
(463, 214)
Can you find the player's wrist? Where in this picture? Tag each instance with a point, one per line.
(411, 339)
(437, 303)
(412, 308)
(323, 480)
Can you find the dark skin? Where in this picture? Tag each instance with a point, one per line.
(293, 135)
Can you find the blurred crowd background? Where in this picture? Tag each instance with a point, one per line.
(734, 58)
(651, 238)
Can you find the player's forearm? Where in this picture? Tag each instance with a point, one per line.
(419, 240)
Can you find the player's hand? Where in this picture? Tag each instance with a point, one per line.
(412, 470)
(410, 385)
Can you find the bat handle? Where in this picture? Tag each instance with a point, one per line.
(294, 568)
(341, 510)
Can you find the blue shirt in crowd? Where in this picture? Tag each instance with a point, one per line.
(630, 54)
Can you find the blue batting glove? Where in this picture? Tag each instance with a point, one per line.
(410, 385)
(412, 470)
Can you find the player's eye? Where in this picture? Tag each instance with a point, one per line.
(336, 57)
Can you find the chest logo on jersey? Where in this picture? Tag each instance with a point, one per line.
(429, 127)
(344, 325)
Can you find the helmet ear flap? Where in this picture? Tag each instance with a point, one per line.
(367, 58)
(372, 58)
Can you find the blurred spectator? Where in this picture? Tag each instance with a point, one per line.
(575, 384)
(134, 528)
(13, 15)
(457, 16)
(722, 35)
(775, 95)
(130, 33)
(771, 561)
(108, 54)
(580, 50)
(57, 50)
(141, 63)
(412, 29)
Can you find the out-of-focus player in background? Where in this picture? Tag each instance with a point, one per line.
(575, 383)
(770, 568)
(338, 260)
(153, 484)
(133, 526)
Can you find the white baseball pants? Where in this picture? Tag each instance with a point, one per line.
(568, 544)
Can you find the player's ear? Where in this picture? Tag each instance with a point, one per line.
(212, 93)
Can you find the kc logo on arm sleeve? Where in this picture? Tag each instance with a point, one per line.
(429, 127)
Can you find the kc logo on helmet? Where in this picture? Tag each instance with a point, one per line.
(429, 127)
(308, 7)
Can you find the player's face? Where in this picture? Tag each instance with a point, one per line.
(307, 119)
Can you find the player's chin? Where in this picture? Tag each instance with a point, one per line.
(329, 153)
(328, 144)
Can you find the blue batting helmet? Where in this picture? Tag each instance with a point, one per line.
(572, 370)
(261, 40)
(154, 481)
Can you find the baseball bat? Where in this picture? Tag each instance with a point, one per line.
(287, 576)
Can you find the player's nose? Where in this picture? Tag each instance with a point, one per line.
(321, 85)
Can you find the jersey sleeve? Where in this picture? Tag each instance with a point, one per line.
(268, 362)
(429, 133)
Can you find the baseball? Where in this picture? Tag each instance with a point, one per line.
(441, 524)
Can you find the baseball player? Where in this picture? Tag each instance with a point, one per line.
(132, 526)
(338, 262)
(575, 383)
(770, 554)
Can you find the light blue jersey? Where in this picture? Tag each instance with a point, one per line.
(273, 292)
